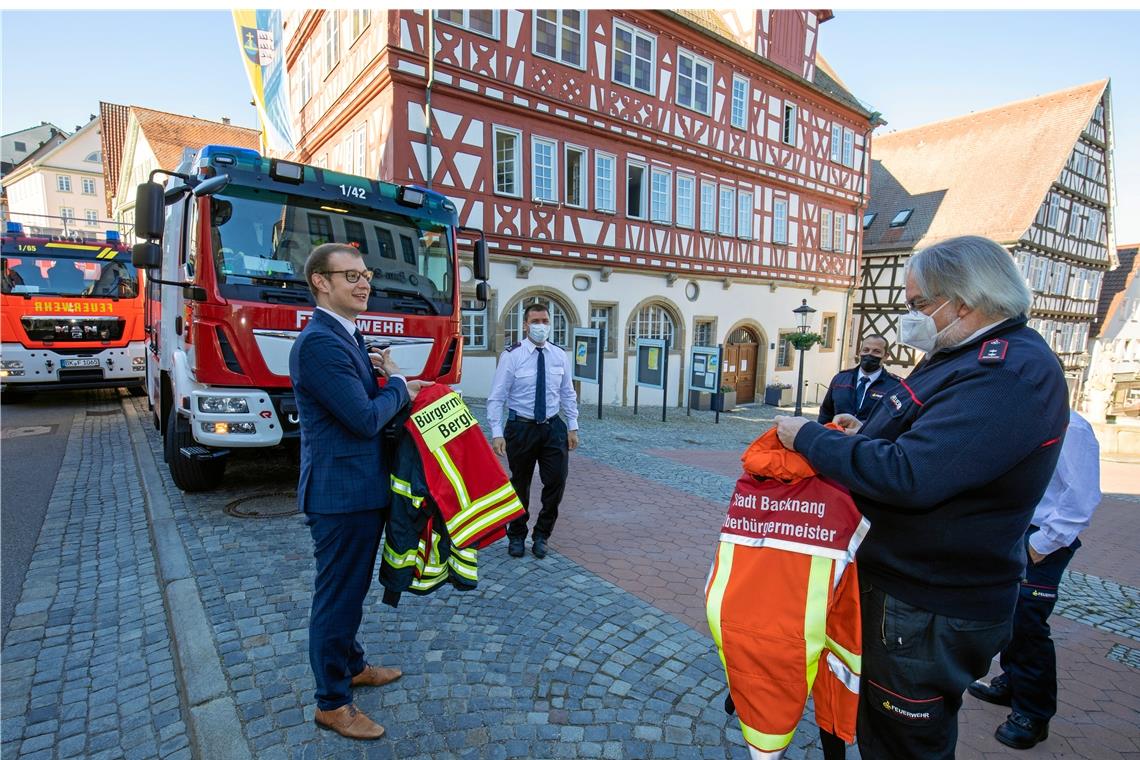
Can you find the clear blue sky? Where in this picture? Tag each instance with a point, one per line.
(914, 67)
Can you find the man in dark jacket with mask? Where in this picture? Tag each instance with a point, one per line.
(855, 391)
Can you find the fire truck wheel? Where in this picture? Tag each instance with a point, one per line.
(189, 474)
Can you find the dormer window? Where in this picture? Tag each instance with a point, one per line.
(869, 219)
(901, 218)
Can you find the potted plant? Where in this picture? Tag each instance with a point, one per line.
(725, 399)
(775, 393)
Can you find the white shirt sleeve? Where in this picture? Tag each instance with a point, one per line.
(1073, 493)
(566, 394)
(500, 389)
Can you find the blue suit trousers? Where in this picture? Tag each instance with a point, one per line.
(345, 547)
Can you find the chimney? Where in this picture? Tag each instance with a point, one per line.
(226, 120)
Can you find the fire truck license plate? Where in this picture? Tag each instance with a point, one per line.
(79, 363)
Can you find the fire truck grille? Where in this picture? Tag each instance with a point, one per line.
(73, 329)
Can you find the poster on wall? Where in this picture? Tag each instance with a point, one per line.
(586, 354)
(651, 363)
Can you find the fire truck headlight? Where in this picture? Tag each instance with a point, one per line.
(227, 428)
(222, 405)
(11, 368)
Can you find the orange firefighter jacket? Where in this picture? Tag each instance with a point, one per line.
(783, 599)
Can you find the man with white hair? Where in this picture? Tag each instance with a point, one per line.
(948, 469)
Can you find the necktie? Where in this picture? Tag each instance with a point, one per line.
(860, 392)
(540, 388)
(360, 344)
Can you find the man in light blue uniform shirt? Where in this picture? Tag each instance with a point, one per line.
(534, 381)
(1028, 682)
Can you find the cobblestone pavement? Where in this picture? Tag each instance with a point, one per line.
(600, 650)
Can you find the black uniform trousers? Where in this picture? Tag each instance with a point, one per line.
(1030, 661)
(529, 443)
(916, 666)
(345, 547)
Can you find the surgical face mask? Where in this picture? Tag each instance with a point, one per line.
(870, 362)
(918, 330)
(538, 332)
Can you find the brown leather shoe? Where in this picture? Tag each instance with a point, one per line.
(374, 675)
(349, 722)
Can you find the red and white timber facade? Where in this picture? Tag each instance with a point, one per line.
(683, 175)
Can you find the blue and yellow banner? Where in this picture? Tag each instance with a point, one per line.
(260, 38)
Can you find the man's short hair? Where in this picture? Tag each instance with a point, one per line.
(533, 308)
(318, 260)
(877, 336)
(974, 271)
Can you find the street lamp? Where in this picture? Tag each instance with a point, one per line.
(803, 313)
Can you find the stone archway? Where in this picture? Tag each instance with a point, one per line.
(742, 363)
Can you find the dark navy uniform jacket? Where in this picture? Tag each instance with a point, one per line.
(840, 398)
(949, 467)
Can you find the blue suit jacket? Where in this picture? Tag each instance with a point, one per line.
(342, 412)
(840, 398)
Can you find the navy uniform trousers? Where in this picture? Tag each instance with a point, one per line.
(529, 443)
(1030, 661)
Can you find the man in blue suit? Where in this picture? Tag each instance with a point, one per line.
(855, 391)
(343, 488)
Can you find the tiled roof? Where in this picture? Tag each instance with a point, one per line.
(985, 173)
(112, 135)
(1115, 285)
(168, 134)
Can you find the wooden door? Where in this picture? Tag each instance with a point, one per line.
(741, 355)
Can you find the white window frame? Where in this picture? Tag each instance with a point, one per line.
(466, 22)
(708, 206)
(472, 321)
(67, 212)
(91, 216)
(739, 116)
(558, 37)
(686, 200)
(788, 128)
(583, 168)
(848, 147)
(1054, 211)
(605, 199)
(535, 142)
(839, 233)
(644, 200)
(361, 20)
(87, 185)
(306, 75)
(825, 230)
(63, 183)
(744, 213)
(1038, 273)
(360, 167)
(660, 195)
(696, 62)
(726, 211)
(516, 160)
(780, 221)
(836, 143)
(634, 33)
(332, 39)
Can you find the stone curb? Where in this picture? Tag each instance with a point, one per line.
(215, 727)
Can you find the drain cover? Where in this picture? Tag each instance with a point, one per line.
(273, 504)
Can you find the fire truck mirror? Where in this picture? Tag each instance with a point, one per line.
(150, 211)
(480, 261)
(146, 255)
(211, 185)
(483, 292)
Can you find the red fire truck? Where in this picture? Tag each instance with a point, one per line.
(72, 312)
(225, 243)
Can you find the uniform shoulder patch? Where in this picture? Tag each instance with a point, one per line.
(993, 351)
(513, 346)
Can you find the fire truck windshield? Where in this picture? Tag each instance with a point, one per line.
(259, 237)
(66, 269)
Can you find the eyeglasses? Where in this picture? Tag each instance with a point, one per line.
(352, 275)
(918, 303)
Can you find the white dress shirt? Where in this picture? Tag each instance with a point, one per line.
(1073, 493)
(515, 379)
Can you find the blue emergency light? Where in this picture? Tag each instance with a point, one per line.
(14, 228)
(113, 236)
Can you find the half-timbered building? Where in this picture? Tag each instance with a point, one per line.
(687, 175)
(1035, 175)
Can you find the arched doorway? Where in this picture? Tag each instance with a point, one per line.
(741, 359)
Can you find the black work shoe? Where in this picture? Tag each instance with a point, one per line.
(517, 546)
(538, 547)
(997, 693)
(1021, 732)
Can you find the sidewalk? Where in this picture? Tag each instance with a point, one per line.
(600, 650)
